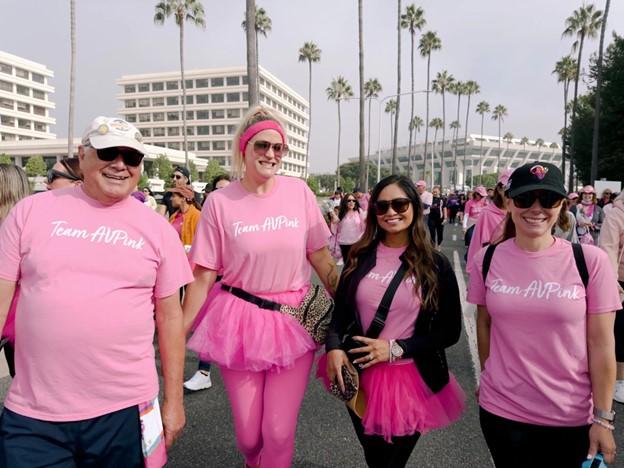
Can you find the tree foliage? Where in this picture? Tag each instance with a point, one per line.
(5, 159)
(193, 171)
(213, 169)
(35, 166)
(487, 180)
(163, 168)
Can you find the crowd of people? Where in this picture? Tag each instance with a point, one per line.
(90, 269)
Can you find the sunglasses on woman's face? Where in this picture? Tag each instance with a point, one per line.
(261, 147)
(350, 200)
(546, 199)
(53, 174)
(399, 205)
(131, 157)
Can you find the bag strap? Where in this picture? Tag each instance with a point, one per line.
(487, 259)
(581, 266)
(379, 321)
(245, 296)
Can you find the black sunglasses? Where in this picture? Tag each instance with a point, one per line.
(53, 174)
(547, 199)
(261, 147)
(131, 157)
(399, 205)
(176, 176)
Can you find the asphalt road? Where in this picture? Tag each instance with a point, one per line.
(325, 437)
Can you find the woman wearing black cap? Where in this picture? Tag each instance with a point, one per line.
(545, 334)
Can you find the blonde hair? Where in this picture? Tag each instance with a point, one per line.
(13, 187)
(254, 115)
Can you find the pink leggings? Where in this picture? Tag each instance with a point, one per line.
(265, 406)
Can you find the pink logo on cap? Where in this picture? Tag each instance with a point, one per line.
(539, 171)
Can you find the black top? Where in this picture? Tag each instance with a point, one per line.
(436, 213)
(434, 330)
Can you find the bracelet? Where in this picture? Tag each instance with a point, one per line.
(600, 422)
(390, 343)
(608, 415)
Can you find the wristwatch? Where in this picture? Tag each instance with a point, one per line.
(602, 414)
(396, 351)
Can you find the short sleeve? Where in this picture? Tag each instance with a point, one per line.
(318, 233)
(476, 286)
(174, 270)
(207, 243)
(10, 242)
(602, 290)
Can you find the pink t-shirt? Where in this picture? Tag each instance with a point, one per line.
(473, 209)
(351, 227)
(489, 227)
(537, 371)
(89, 276)
(363, 201)
(261, 242)
(405, 305)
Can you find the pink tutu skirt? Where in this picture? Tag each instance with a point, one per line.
(241, 336)
(399, 403)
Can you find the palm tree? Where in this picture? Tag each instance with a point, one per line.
(428, 43)
(508, 138)
(252, 54)
(471, 87)
(339, 90)
(583, 23)
(414, 126)
(566, 72)
(482, 108)
(398, 96)
(372, 88)
(312, 54)
(456, 88)
(391, 107)
(524, 141)
(363, 162)
(72, 78)
(182, 11)
(441, 83)
(553, 146)
(596, 135)
(413, 20)
(539, 143)
(499, 113)
(437, 124)
(262, 25)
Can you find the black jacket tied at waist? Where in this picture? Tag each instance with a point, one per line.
(435, 330)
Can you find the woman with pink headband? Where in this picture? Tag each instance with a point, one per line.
(264, 232)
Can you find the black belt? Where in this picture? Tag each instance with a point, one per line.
(245, 296)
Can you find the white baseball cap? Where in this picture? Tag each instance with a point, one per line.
(107, 132)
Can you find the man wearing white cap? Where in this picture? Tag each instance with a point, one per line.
(93, 264)
(425, 197)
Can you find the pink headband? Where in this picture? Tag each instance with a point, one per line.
(257, 128)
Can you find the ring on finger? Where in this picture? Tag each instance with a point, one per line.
(370, 357)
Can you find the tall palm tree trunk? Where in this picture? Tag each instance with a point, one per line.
(427, 116)
(455, 143)
(186, 158)
(338, 155)
(594, 158)
(72, 78)
(572, 145)
(391, 127)
(443, 137)
(498, 158)
(362, 170)
(466, 145)
(398, 98)
(370, 100)
(411, 130)
(566, 89)
(252, 53)
(307, 156)
(481, 149)
(433, 148)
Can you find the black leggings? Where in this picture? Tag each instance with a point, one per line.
(619, 333)
(436, 231)
(519, 445)
(381, 454)
(344, 250)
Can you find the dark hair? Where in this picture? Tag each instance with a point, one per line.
(563, 221)
(72, 167)
(419, 253)
(343, 205)
(218, 179)
(499, 196)
(149, 190)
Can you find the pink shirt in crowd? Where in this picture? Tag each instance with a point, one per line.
(88, 275)
(261, 241)
(351, 227)
(489, 227)
(363, 201)
(537, 371)
(405, 305)
(472, 211)
(427, 199)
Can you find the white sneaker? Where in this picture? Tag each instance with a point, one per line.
(199, 381)
(619, 391)
(340, 262)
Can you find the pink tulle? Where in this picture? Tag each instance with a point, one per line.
(202, 312)
(240, 336)
(399, 402)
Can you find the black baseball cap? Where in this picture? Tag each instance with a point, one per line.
(184, 171)
(535, 176)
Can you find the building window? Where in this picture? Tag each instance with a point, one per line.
(6, 68)
(190, 145)
(173, 131)
(130, 103)
(201, 99)
(190, 115)
(39, 94)
(246, 81)
(218, 98)
(6, 103)
(7, 121)
(172, 100)
(158, 86)
(23, 107)
(203, 146)
(218, 145)
(245, 96)
(201, 83)
(233, 97)
(23, 90)
(158, 101)
(129, 88)
(218, 114)
(37, 78)
(203, 115)
(39, 127)
(146, 132)
(190, 130)
(232, 80)
(158, 131)
(171, 85)
(21, 73)
(23, 123)
(216, 82)
(233, 113)
(158, 116)
(203, 130)
(6, 86)
(145, 117)
(189, 84)
(174, 145)
(231, 129)
(189, 99)
(8, 137)
(145, 102)
(37, 110)
(131, 118)
(173, 116)
(144, 87)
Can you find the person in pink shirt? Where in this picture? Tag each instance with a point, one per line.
(545, 314)
(489, 226)
(348, 224)
(265, 233)
(404, 373)
(362, 198)
(474, 206)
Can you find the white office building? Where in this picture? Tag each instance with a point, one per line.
(216, 99)
(25, 99)
(512, 154)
